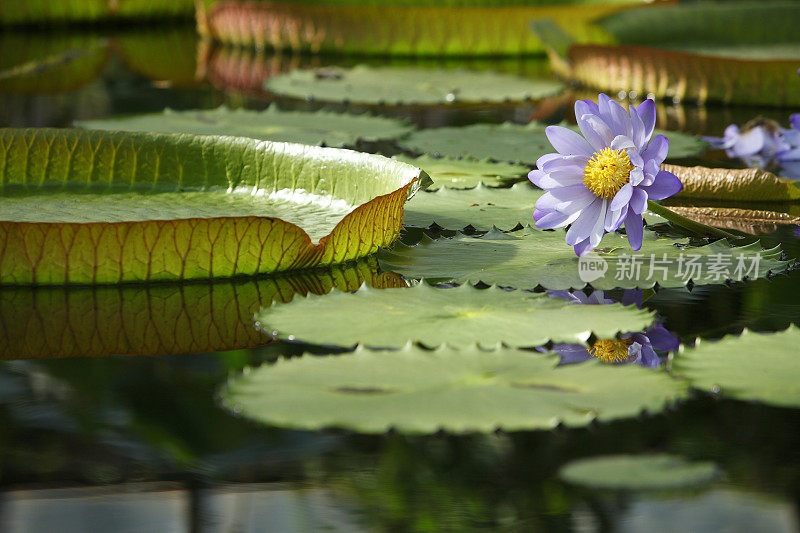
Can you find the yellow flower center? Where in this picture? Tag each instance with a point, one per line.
(606, 172)
(611, 350)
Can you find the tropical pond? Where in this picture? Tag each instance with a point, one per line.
(349, 265)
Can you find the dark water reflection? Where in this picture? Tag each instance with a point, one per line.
(150, 430)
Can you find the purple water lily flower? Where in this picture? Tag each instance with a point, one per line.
(601, 179)
(789, 156)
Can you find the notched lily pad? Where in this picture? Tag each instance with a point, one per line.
(466, 173)
(390, 318)
(638, 472)
(531, 257)
(407, 85)
(751, 366)
(93, 207)
(459, 391)
(482, 207)
(316, 128)
(515, 142)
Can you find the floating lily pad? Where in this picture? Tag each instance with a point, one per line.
(530, 257)
(407, 85)
(396, 28)
(163, 318)
(752, 221)
(732, 52)
(462, 316)
(481, 207)
(272, 124)
(752, 366)
(109, 207)
(515, 142)
(638, 472)
(739, 185)
(466, 173)
(419, 391)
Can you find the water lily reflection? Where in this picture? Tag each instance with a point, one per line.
(764, 143)
(640, 348)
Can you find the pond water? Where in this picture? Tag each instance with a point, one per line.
(141, 442)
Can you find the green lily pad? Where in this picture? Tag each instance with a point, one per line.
(390, 318)
(420, 391)
(531, 257)
(466, 173)
(94, 207)
(515, 142)
(752, 366)
(638, 472)
(481, 207)
(399, 85)
(272, 124)
(736, 185)
(17, 12)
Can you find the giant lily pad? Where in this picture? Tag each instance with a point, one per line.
(752, 366)
(476, 28)
(514, 142)
(481, 207)
(433, 316)
(272, 124)
(747, 185)
(53, 322)
(16, 12)
(732, 52)
(399, 85)
(530, 257)
(419, 391)
(110, 207)
(466, 173)
(638, 472)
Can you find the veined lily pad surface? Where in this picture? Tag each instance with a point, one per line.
(458, 391)
(272, 124)
(515, 142)
(110, 207)
(723, 184)
(398, 85)
(637, 472)
(751, 366)
(432, 316)
(531, 257)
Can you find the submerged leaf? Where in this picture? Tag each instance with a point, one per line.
(514, 142)
(432, 316)
(482, 207)
(54, 322)
(752, 366)
(407, 85)
(272, 124)
(740, 185)
(638, 472)
(109, 207)
(532, 257)
(466, 173)
(420, 391)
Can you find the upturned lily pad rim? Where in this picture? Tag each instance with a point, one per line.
(65, 152)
